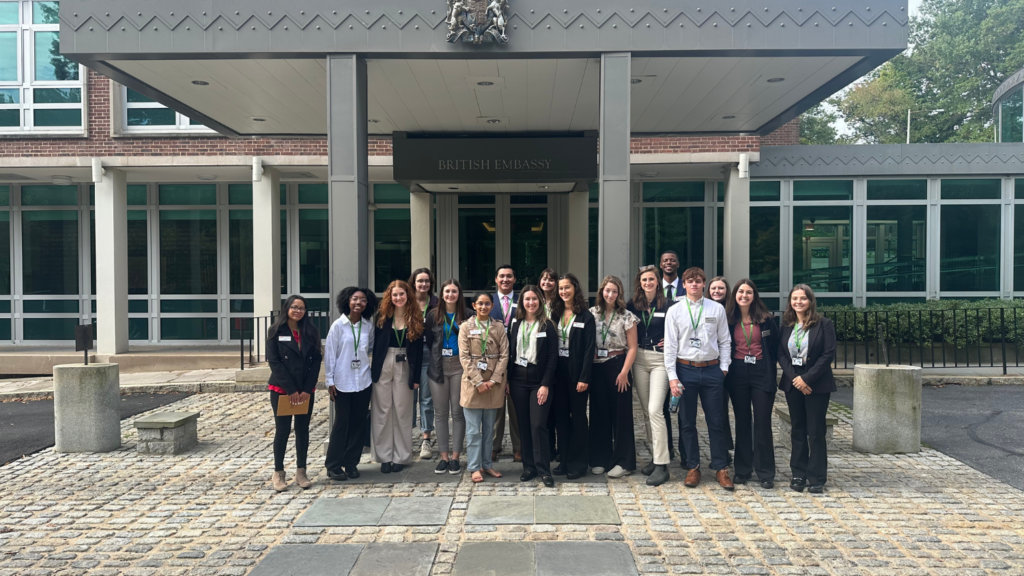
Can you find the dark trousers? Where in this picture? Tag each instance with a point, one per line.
(283, 428)
(707, 384)
(755, 449)
(350, 416)
(810, 454)
(612, 442)
(533, 426)
(667, 412)
(554, 446)
(571, 422)
(725, 421)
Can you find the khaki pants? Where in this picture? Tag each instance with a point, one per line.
(391, 413)
(651, 381)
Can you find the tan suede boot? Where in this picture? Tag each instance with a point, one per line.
(279, 483)
(301, 479)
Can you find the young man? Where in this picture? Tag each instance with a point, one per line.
(670, 281)
(504, 311)
(697, 355)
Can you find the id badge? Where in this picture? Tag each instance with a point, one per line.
(481, 365)
(602, 353)
(447, 352)
(798, 361)
(750, 359)
(522, 362)
(356, 364)
(400, 357)
(646, 342)
(563, 352)
(694, 342)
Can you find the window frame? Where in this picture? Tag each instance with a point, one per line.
(182, 124)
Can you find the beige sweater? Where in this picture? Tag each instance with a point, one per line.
(470, 353)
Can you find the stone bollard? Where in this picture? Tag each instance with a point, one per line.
(87, 407)
(886, 409)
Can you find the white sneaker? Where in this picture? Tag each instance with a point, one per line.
(618, 472)
(597, 470)
(425, 451)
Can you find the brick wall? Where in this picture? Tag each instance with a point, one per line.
(786, 135)
(692, 144)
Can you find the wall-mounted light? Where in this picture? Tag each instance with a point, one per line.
(206, 177)
(59, 180)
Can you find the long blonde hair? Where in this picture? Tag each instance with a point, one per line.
(413, 322)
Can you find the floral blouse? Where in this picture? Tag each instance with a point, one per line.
(612, 337)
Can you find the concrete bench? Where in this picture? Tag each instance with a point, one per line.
(167, 432)
(786, 426)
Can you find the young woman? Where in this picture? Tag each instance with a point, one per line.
(807, 348)
(751, 382)
(577, 344)
(649, 376)
(718, 290)
(395, 371)
(533, 350)
(548, 285)
(347, 361)
(612, 443)
(422, 281)
(444, 371)
(294, 356)
(483, 351)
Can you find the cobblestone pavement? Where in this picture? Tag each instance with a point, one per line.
(212, 511)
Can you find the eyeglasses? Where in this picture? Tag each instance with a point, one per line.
(297, 309)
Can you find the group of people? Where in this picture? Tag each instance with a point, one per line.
(564, 372)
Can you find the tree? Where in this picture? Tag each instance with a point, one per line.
(816, 126)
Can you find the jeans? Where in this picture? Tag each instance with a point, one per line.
(426, 401)
(479, 429)
(707, 384)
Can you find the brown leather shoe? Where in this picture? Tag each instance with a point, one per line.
(692, 478)
(724, 481)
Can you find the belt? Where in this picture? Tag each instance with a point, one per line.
(613, 353)
(697, 364)
(654, 348)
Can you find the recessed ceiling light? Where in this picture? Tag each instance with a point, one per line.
(485, 83)
(543, 187)
(255, 119)
(648, 174)
(494, 121)
(453, 187)
(729, 117)
(206, 176)
(635, 80)
(775, 80)
(200, 82)
(59, 180)
(373, 121)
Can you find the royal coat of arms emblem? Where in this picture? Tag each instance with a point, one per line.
(477, 21)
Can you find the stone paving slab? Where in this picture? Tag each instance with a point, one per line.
(575, 510)
(500, 510)
(344, 512)
(309, 560)
(584, 559)
(428, 511)
(405, 559)
(496, 559)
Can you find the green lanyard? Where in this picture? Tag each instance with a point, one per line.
(401, 339)
(647, 317)
(449, 327)
(425, 310)
(700, 314)
(798, 337)
(746, 336)
(487, 336)
(606, 327)
(524, 337)
(356, 337)
(565, 328)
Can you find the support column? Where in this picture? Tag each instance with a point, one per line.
(266, 244)
(578, 261)
(613, 168)
(736, 233)
(421, 216)
(112, 262)
(347, 172)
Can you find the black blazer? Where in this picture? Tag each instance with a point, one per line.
(547, 356)
(582, 347)
(770, 348)
(821, 352)
(413, 353)
(434, 333)
(292, 369)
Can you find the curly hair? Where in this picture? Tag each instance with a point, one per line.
(413, 322)
(579, 301)
(620, 302)
(346, 294)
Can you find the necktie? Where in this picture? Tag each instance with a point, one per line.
(668, 291)
(504, 310)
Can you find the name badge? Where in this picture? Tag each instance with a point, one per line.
(475, 332)
(647, 342)
(798, 361)
(522, 362)
(400, 357)
(659, 315)
(766, 333)
(694, 342)
(542, 335)
(711, 320)
(577, 324)
(447, 352)
(602, 353)
(750, 359)
(356, 364)
(481, 365)
(284, 338)
(563, 352)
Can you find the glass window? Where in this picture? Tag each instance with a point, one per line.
(50, 64)
(476, 248)
(313, 193)
(8, 13)
(314, 263)
(1018, 247)
(969, 248)
(720, 189)
(49, 195)
(1012, 117)
(57, 118)
(678, 229)
(963, 189)
(822, 190)
(240, 251)
(821, 247)
(673, 192)
(50, 306)
(720, 256)
(49, 328)
(241, 194)
(188, 251)
(896, 239)
(49, 243)
(142, 114)
(765, 191)
(476, 199)
(529, 243)
(5, 253)
(188, 194)
(188, 306)
(5, 195)
(5, 328)
(151, 117)
(9, 53)
(45, 13)
(593, 222)
(390, 194)
(897, 189)
(765, 238)
(138, 328)
(188, 328)
(1018, 189)
(138, 252)
(392, 246)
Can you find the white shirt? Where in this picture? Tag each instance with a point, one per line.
(678, 292)
(340, 352)
(712, 331)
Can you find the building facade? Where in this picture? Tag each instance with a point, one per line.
(169, 173)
